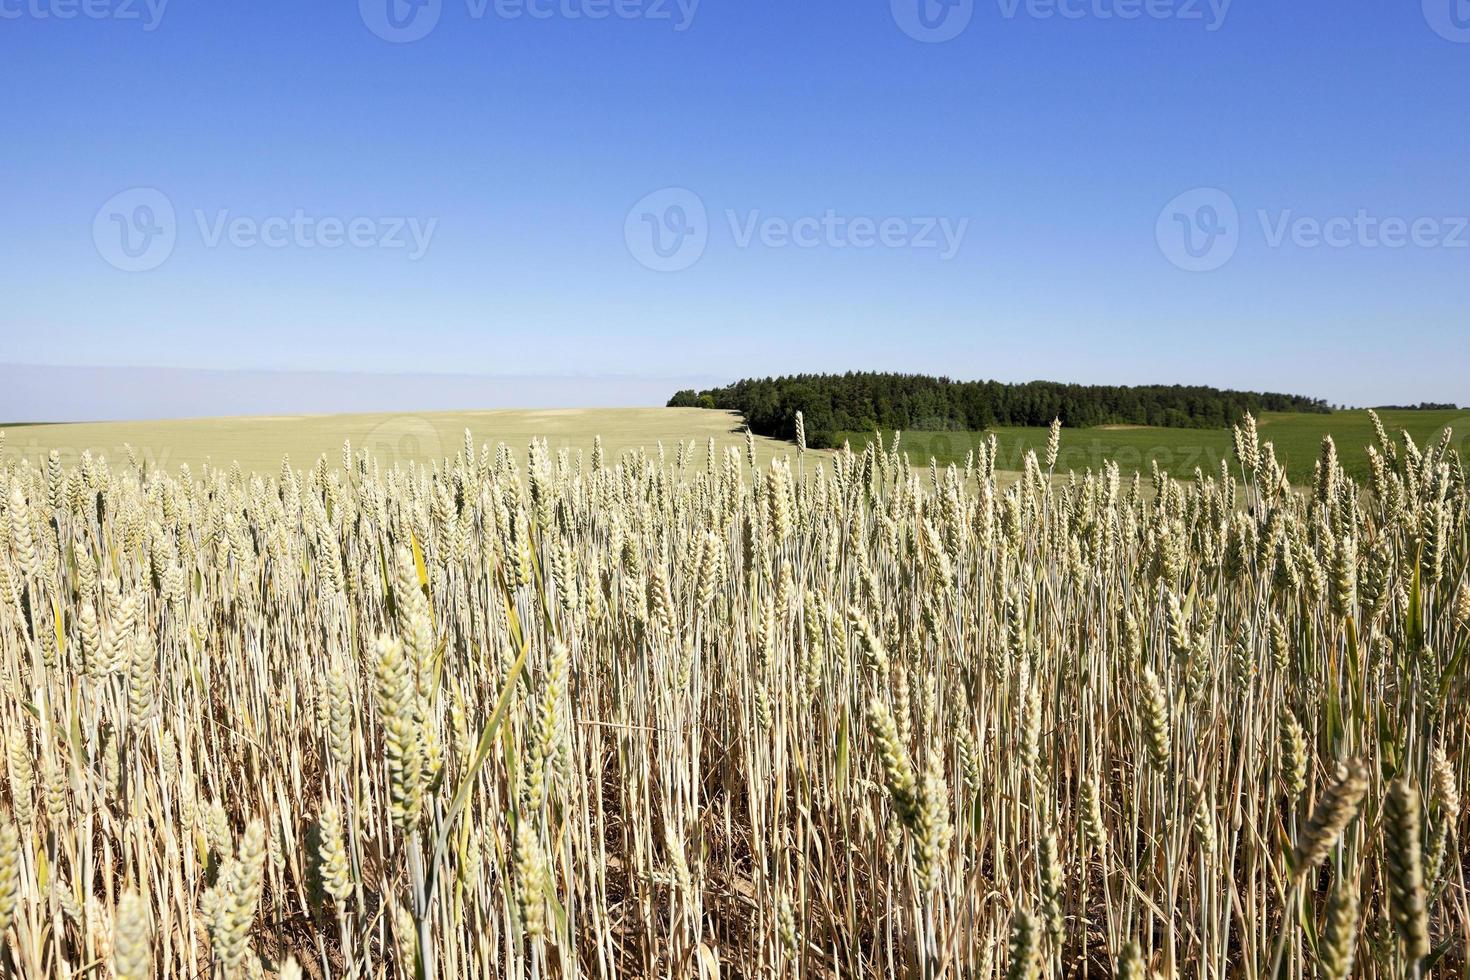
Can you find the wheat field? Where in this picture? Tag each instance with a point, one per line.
(709, 711)
(258, 442)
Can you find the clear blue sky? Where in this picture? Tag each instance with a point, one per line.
(526, 141)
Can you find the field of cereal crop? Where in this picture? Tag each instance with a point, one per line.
(260, 442)
(525, 712)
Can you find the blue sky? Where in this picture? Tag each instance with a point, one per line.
(1055, 150)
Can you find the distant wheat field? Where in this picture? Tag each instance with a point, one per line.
(260, 442)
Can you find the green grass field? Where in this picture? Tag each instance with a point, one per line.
(1298, 440)
(259, 442)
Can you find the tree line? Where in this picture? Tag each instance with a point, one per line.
(1421, 407)
(863, 401)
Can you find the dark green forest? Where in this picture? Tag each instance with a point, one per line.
(861, 401)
